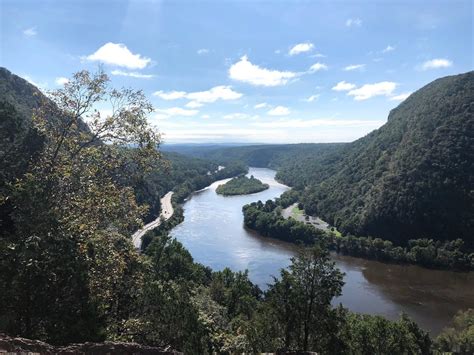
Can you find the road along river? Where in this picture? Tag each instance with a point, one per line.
(213, 232)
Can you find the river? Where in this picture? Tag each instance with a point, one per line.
(213, 232)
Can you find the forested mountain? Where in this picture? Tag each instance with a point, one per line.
(70, 273)
(411, 178)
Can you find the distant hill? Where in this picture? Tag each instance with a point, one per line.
(413, 177)
(261, 155)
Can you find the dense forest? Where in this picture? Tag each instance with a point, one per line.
(411, 178)
(70, 273)
(241, 185)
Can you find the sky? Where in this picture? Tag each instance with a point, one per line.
(246, 71)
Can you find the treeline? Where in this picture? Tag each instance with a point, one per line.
(183, 190)
(266, 218)
(69, 272)
(241, 185)
(198, 310)
(178, 173)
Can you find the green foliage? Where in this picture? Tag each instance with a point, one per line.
(267, 220)
(459, 338)
(412, 178)
(241, 185)
(409, 179)
(69, 272)
(66, 260)
(300, 301)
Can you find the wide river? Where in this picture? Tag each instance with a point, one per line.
(213, 232)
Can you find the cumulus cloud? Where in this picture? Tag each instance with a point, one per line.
(118, 54)
(202, 51)
(353, 22)
(30, 32)
(131, 74)
(247, 72)
(170, 95)
(354, 67)
(199, 98)
(312, 98)
(261, 105)
(387, 49)
(301, 48)
(279, 111)
(318, 66)
(383, 88)
(436, 64)
(400, 97)
(61, 80)
(221, 92)
(343, 86)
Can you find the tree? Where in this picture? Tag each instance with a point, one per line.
(301, 299)
(68, 258)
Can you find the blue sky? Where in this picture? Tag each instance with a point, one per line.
(246, 71)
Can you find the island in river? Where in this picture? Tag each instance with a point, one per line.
(241, 185)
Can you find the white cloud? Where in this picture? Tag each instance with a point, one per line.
(318, 66)
(202, 51)
(131, 74)
(30, 32)
(318, 55)
(61, 80)
(118, 54)
(436, 63)
(312, 98)
(216, 93)
(301, 48)
(354, 67)
(174, 111)
(384, 88)
(356, 22)
(194, 104)
(250, 73)
(343, 86)
(261, 105)
(199, 98)
(400, 97)
(387, 49)
(205, 116)
(279, 111)
(171, 95)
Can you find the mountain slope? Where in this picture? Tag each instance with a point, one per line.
(413, 177)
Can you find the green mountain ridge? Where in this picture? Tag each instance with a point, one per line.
(411, 178)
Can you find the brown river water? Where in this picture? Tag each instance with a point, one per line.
(213, 232)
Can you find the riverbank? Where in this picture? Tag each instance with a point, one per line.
(214, 234)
